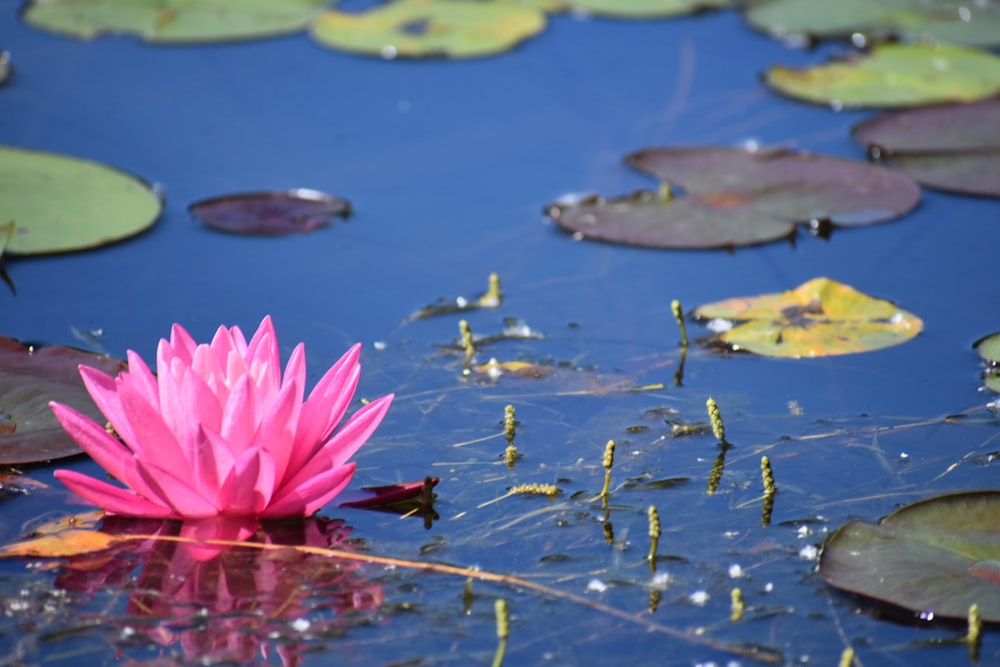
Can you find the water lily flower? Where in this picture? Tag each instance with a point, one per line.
(219, 431)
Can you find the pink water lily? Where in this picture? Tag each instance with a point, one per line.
(218, 431)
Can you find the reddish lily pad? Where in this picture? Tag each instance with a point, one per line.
(383, 497)
(298, 211)
(730, 197)
(989, 349)
(819, 318)
(954, 147)
(938, 555)
(894, 75)
(29, 379)
(951, 21)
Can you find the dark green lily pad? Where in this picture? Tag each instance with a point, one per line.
(174, 21)
(60, 203)
(645, 9)
(894, 75)
(938, 555)
(732, 197)
(948, 21)
(29, 379)
(989, 349)
(430, 29)
(298, 211)
(954, 147)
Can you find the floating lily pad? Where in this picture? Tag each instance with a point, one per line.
(640, 9)
(895, 75)
(29, 379)
(61, 203)
(174, 21)
(430, 29)
(298, 211)
(732, 197)
(989, 349)
(941, 554)
(819, 318)
(949, 21)
(954, 147)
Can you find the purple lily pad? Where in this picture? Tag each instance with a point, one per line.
(941, 554)
(727, 197)
(954, 147)
(298, 211)
(29, 379)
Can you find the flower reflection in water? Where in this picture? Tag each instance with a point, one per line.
(237, 605)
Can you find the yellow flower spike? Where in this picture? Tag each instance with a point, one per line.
(767, 475)
(714, 416)
(608, 462)
(675, 306)
(654, 535)
(975, 630)
(509, 424)
(493, 296)
(846, 657)
(737, 605)
(503, 630)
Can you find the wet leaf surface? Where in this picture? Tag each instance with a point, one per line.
(30, 379)
(894, 75)
(174, 21)
(725, 197)
(941, 554)
(819, 318)
(950, 21)
(640, 9)
(952, 147)
(61, 203)
(430, 29)
(989, 349)
(298, 211)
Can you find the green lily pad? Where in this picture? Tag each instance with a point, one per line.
(989, 349)
(733, 197)
(642, 9)
(429, 29)
(952, 147)
(61, 203)
(948, 21)
(938, 555)
(819, 318)
(29, 379)
(174, 21)
(895, 75)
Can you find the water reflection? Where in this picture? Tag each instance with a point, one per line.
(237, 605)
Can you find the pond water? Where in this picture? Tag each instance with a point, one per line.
(448, 166)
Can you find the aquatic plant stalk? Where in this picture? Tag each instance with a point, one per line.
(715, 417)
(219, 431)
(607, 462)
(675, 306)
(654, 535)
(503, 630)
(736, 604)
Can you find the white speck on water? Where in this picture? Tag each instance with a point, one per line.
(301, 624)
(719, 325)
(804, 531)
(596, 586)
(461, 302)
(699, 598)
(769, 587)
(735, 571)
(380, 345)
(809, 552)
(661, 581)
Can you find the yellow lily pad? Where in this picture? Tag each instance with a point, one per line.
(646, 9)
(895, 75)
(819, 318)
(429, 29)
(174, 21)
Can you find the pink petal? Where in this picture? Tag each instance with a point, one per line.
(104, 390)
(152, 438)
(263, 359)
(112, 498)
(341, 447)
(325, 407)
(276, 432)
(231, 529)
(199, 407)
(143, 378)
(211, 461)
(207, 365)
(358, 429)
(238, 416)
(182, 345)
(249, 486)
(306, 498)
(170, 489)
